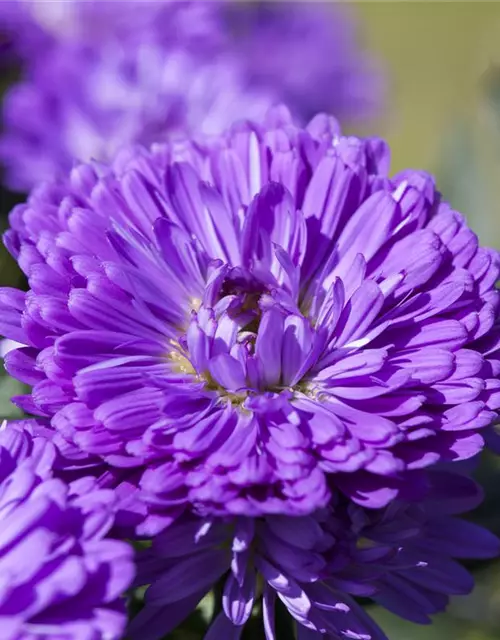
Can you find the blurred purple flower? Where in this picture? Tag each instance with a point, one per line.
(403, 557)
(99, 75)
(32, 26)
(79, 105)
(308, 55)
(60, 576)
(256, 322)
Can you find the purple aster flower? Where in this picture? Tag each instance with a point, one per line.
(255, 323)
(402, 557)
(150, 70)
(60, 575)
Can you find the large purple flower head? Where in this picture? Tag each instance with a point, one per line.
(59, 574)
(98, 75)
(258, 323)
(310, 568)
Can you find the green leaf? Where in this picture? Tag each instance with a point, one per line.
(8, 388)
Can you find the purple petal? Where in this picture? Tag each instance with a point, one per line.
(268, 615)
(237, 600)
(187, 577)
(268, 346)
(222, 627)
(152, 622)
(227, 372)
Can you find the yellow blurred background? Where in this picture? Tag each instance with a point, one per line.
(439, 56)
(436, 53)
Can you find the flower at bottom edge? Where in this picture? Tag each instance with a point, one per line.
(402, 557)
(60, 573)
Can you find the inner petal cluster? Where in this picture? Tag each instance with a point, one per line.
(245, 342)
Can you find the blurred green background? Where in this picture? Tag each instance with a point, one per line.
(442, 115)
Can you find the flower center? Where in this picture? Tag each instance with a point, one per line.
(181, 363)
(246, 338)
